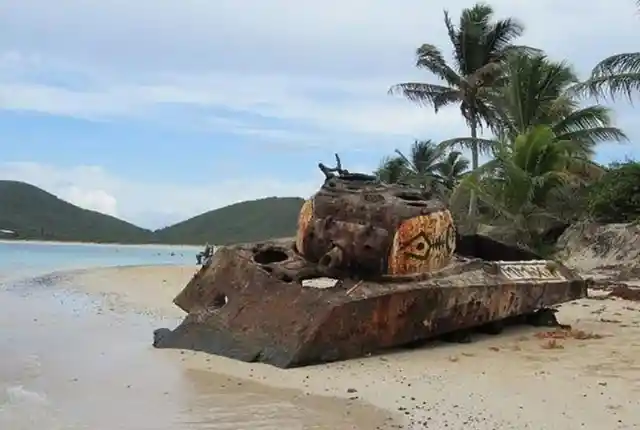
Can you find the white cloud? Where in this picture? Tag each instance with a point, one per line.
(281, 60)
(364, 107)
(153, 204)
(364, 112)
(97, 200)
(189, 34)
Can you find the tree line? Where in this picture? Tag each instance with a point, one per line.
(540, 171)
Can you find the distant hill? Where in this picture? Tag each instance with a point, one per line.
(35, 214)
(38, 215)
(241, 222)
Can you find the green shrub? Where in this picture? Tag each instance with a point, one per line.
(616, 196)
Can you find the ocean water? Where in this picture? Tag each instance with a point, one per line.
(69, 363)
(26, 258)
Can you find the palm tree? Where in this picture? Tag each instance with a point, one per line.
(617, 74)
(537, 91)
(479, 45)
(392, 170)
(525, 177)
(428, 166)
(419, 169)
(452, 169)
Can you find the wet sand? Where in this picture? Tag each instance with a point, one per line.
(519, 379)
(73, 361)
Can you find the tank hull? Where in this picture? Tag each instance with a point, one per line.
(244, 308)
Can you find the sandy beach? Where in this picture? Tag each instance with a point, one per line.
(520, 379)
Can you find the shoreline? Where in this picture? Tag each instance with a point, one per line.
(514, 378)
(133, 245)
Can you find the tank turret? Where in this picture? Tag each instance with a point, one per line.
(359, 226)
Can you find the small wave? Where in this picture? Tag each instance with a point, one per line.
(21, 408)
(25, 409)
(17, 394)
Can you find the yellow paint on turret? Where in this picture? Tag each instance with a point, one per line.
(304, 218)
(423, 244)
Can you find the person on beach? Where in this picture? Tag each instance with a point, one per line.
(204, 256)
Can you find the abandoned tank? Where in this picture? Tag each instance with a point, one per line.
(373, 266)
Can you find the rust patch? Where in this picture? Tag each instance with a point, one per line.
(304, 219)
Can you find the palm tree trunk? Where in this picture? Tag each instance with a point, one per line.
(473, 199)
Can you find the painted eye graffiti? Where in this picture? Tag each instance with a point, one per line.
(424, 243)
(421, 246)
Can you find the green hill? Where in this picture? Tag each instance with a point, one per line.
(241, 222)
(35, 214)
(38, 215)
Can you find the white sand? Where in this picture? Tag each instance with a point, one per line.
(513, 381)
(145, 289)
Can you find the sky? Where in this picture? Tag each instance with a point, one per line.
(157, 110)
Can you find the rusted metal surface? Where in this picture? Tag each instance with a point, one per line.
(372, 267)
(358, 226)
(285, 324)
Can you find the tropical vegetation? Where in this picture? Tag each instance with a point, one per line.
(428, 165)
(538, 171)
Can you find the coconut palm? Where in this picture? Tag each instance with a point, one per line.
(538, 91)
(525, 177)
(392, 170)
(420, 168)
(452, 169)
(479, 45)
(428, 166)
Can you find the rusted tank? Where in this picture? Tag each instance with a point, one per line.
(373, 266)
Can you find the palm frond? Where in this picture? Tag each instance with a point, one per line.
(587, 139)
(423, 94)
(589, 126)
(485, 146)
(620, 63)
(430, 58)
(610, 86)
(521, 50)
(500, 36)
(615, 75)
(454, 38)
(391, 170)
